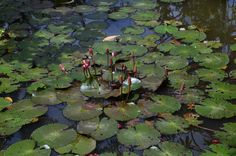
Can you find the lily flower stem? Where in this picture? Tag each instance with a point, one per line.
(107, 59)
(90, 75)
(204, 128)
(127, 98)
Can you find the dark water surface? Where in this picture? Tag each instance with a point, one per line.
(217, 17)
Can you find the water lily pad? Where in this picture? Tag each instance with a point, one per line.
(21, 113)
(166, 148)
(133, 30)
(201, 47)
(35, 87)
(102, 2)
(130, 38)
(45, 98)
(173, 62)
(165, 47)
(99, 130)
(171, 124)
(213, 60)
(84, 8)
(191, 96)
(85, 111)
(145, 16)
(211, 75)
(100, 47)
(118, 15)
(135, 84)
(233, 47)
(152, 23)
(178, 78)
(153, 82)
(184, 51)
(97, 16)
(82, 145)
(144, 4)
(163, 29)
(54, 135)
(216, 109)
(219, 149)
(26, 148)
(172, 1)
(141, 136)
(190, 36)
(122, 111)
(4, 103)
(227, 135)
(58, 82)
(163, 104)
(222, 90)
(137, 50)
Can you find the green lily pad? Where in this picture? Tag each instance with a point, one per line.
(133, 30)
(153, 82)
(45, 98)
(35, 87)
(135, 84)
(82, 145)
(179, 77)
(84, 8)
(122, 111)
(172, 1)
(26, 148)
(219, 149)
(213, 60)
(164, 29)
(99, 130)
(211, 75)
(165, 47)
(166, 148)
(8, 85)
(184, 51)
(233, 47)
(96, 25)
(144, 4)
(163, 104)
(137, 50)
(100, 47)
(85, 111)
(145, 16)
(54, 135)
(173, 62)
(192, 96)
(141, 136)
(102, 2)
(222, 90)
(151, 24)
(58, 82)
(151, 57)
(216, 109)
(118, 15)
(227, 134)
(213, 44)
(131, 39)
(171, 124)
(21, 113)
(190, 36)
(4, 103)
(201, 47)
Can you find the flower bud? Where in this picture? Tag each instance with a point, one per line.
(111, 62)
(129, 81)
(107, 51)
(135, 70)
(90, 51)
(121, 79)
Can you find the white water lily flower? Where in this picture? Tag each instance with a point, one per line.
(46, 146)
(133, 81)
(111, 38)
(205, 42)
(131, 103)
(154, 147)
(182, 29)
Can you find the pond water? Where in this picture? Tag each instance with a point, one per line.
(38, 39)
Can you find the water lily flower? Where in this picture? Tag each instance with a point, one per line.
(119, 126)
(62, 68)
(9, 99)
(215, 141)
(113, 54)
(46, 146)
(86, 64)
(153, 147)
(182, 29)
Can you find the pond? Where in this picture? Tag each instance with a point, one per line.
(117, 77)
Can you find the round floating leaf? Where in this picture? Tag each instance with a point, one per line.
(21, 113)
(153, 82)
(146, 16)
(184, 51)
(191, 96)
(173, 62)
(163, 29)
(84, 8)
(132, 39)
(35, 86)
(26, 148)
(171, 124)
(133, 30)
(150, 58)
(45, 98)
(99, 130)
(58, 82)
(137, 50)
(166, 148)
(85, 111)
(165, 47)
(163, 104)
(100, 47)
(233, 47)
(222, 90)
(108, 154)
(228, 134)
(201, 47)
(219, 149)
(54, 135)
(96, 25)
(216, 109)
(82, 145)
(141, 136)
(97, 16)
(190, 36)
(118, 15)
(144, 4)
(4, 103)
(213, 60)
(178, 78)
(102, 2)
(211, 75)
(122, 111)
(145, 112)
(152, 23)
